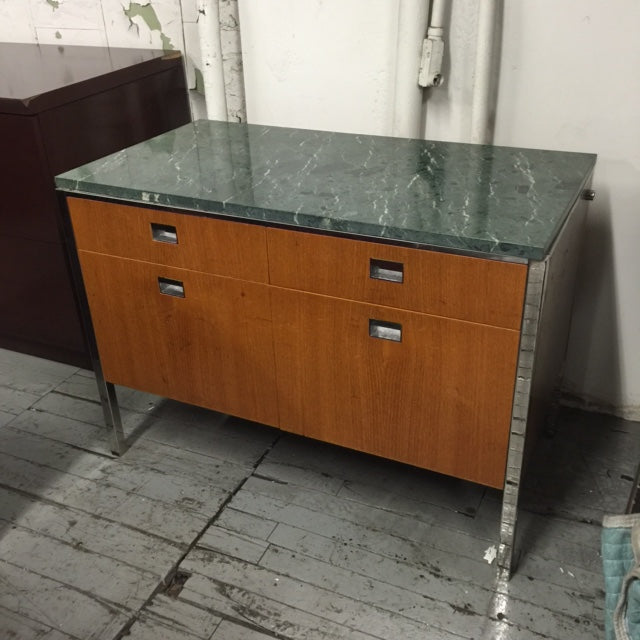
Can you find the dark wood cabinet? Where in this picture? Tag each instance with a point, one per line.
(61, 107)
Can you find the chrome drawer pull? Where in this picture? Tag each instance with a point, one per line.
(385, 330)
(169, 287)
(386, 270)
(164, 233)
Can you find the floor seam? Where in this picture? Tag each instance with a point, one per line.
(124, 631)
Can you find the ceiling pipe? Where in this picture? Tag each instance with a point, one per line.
(480, 105)
(211, 49)
(430, 74)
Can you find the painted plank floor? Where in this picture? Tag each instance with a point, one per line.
(213, 528)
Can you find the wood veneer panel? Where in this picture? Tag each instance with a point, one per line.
(212, 348)
(114, 119)
(38, 305)
(28, 207)
(474, 289)
(204, 244)
(440, 399)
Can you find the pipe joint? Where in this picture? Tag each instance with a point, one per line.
(430, 74)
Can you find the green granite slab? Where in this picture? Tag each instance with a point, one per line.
(496, 200)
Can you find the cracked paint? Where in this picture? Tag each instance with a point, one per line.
(232, 59)
(53, 3)
(149, 16)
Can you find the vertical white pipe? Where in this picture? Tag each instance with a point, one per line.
(407, 104)
(437, 14)
(211, 49)
(482, 79)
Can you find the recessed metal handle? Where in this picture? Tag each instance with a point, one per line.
(164, 233)
(385, 330)
(386, 270)
(169, 287)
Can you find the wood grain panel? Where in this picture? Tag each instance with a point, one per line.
(212, 348)
(439, 399)
(28, 207)
(38, 312)
(474, 289)
(204, 244)
(110, 120)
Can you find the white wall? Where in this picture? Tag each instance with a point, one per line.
(568, 79)
(321, 65)
(331, 64)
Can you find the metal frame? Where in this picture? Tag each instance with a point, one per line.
(541, 358)
(111, 410)
(520, 412)
(106, 390)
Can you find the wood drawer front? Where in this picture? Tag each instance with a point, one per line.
(439, 399)
(443, 284)
(212, 348)
(220, 247)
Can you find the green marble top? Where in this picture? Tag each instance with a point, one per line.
(496, 200)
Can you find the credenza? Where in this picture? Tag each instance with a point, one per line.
(405, 298)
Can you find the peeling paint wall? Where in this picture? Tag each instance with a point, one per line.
(146, 24)
(144, 16)
(232, 60)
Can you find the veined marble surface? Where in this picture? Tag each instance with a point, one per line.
(496, 200)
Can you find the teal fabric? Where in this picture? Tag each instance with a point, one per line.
(621, 567)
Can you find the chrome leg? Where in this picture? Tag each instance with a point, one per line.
(111, 412)
(106, 390)
(521, 398)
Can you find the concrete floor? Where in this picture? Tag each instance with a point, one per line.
(213, 527)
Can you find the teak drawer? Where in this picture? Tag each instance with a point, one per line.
(232, 249)
(443, 284)
(420, 389)
(186, 335)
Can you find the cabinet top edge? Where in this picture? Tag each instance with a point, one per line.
(35, 77)
(500, 202)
